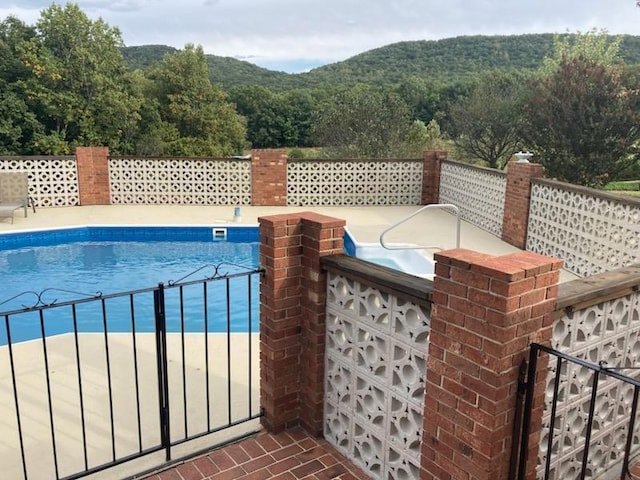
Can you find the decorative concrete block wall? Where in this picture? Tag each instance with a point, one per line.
(598, 321)
(376, 357)
(479, 193)
(179, 181)
(335, 342)
(592, 231)
(354, 182)
(53, 180)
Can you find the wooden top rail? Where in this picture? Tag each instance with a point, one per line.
(586, 292)
(404, 285)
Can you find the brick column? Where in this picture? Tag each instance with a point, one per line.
(516, 202)
(486, 311)
(93, 175)
(292, 316)
(269, 177)
(431, 167)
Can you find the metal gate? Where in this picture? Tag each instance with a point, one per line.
(580, 438)
(87, 384)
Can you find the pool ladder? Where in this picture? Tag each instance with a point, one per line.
(441, 206)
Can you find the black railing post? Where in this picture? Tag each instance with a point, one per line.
(528, 404)
(587, 438)
(109, 380)
(47, 376)
(517, 420)
(552, 420)
(163, 375)
(627, 449)
(15, 397)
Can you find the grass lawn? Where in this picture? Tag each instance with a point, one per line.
(630, 188)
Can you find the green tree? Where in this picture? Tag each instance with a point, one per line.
(18, 125)
(485, 125)
(450, 94)
(300, 104)
(594, 45)
(582, 122)
(142, 133)
(421, 137)
(423, 98)
(274, 119)
(583, 117)
(76, 88)
(362, 122)
(195, 117)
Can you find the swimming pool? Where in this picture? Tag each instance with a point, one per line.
(55, 266)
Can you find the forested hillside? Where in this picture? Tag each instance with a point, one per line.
(447, 60)
(230, 72)
(145, 55)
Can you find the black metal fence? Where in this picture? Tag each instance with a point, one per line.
(589, 427)
(87, 384)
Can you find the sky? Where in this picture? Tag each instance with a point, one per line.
(297, 35)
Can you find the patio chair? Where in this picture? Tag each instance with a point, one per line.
(14, 194)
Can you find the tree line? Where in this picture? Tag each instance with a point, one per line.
(64, 82)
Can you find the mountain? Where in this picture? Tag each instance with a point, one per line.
(144, 56)
(444, 60)
(228, 71)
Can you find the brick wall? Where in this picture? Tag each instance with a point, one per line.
(486, 311)
(516, 205)
(292, 316)
(93, 175)
(432, 163)
(269, 177)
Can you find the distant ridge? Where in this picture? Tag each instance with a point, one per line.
(144, 56)
(445, 60)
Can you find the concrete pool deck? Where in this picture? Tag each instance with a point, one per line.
(28, 361)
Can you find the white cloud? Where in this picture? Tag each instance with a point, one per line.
(331, 30)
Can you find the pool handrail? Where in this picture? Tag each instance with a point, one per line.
(441, 206)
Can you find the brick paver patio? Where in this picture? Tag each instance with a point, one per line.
(289, 455)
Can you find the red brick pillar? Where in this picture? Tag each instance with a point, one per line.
(292, 316)
(431, 167)
(269, 177)
(516, 202)
(93, 175)
(486, 311)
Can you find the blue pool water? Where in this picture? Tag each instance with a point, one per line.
(57, 266)
(84, 261)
